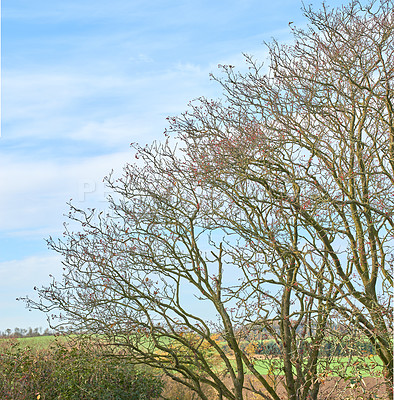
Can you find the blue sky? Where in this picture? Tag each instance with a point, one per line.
(81, 79)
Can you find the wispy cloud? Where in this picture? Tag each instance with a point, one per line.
(55, 105)
(35, 193)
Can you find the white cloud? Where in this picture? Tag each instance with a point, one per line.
(144, 58)
(97, 107)
(35, 193)
(23, 274)
(40, 96)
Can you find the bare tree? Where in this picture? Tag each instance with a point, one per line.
(303, 157)
(131, 276)
(272, 214)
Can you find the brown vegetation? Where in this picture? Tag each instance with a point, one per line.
(331, 389)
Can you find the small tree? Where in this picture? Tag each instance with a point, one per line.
(274, 211)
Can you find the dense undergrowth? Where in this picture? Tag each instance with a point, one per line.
(66, 372)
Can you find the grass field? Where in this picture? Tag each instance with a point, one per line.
(36, 342)
(339, 366)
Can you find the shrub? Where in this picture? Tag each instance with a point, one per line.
(69, 372)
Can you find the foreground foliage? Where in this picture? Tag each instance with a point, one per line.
(68, 371)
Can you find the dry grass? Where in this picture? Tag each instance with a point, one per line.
(332, 389)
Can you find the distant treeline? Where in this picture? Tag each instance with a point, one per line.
(30, 332)
(270, 347)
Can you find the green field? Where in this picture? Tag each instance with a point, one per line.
(338, 366)
(37, 342)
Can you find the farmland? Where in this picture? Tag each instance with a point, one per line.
(37, 364)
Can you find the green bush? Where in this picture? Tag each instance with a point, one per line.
(68, 372)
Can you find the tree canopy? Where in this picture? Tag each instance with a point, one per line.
(272, 207)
